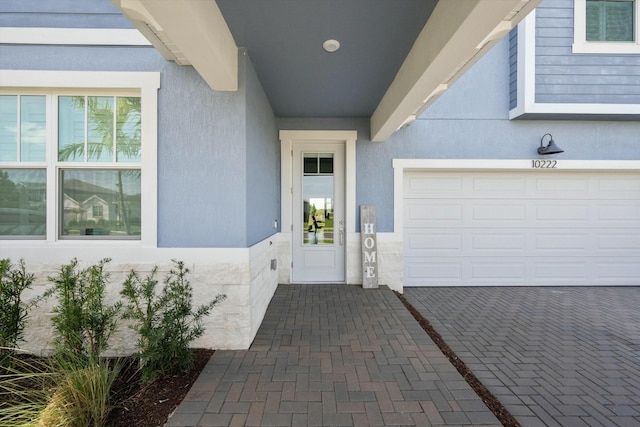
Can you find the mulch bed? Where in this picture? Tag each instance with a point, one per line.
(134, 403)
(137, 404)
(501, 413)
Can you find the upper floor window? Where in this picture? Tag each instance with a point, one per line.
(606, 26)
(609, 20)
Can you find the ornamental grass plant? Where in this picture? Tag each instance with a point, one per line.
(59, 391)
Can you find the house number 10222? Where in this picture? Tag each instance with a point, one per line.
(544, 164)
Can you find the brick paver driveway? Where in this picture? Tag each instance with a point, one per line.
(552, 356)
(333, 355)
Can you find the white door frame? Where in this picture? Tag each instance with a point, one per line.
(288, 138)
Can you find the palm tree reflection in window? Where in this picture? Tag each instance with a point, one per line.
(90, 131)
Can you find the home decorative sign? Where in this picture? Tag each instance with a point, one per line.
(369, 246)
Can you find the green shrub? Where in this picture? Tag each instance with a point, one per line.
(166, 322)
(82, 322)
(13, 310)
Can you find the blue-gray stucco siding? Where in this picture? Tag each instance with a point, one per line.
(205, 161)
(263, 161)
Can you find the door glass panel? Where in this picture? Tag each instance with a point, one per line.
(311, 164)
(326, 165)
(317, 196)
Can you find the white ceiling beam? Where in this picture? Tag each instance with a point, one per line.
(189, 32)
(455, 36)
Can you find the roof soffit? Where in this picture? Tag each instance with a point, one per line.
(194, 32)
(189, 32)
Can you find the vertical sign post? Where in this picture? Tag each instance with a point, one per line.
(369, 246)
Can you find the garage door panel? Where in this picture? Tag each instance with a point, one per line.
(419, 186)
(626, 242)
(496, 184)
(615, 271)
(420, 242)
(619, 185)
(552, 268)
(498, 270)
(561, 213)
(421, 271)
(498, 241)
(620, 214)
(525, 242)
(522, 228)
(561, 241)
(551, 186)
(510, 242)
(498, 213)
(420, 213)
(434, 242)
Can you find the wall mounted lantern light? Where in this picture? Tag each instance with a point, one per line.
(551, 148)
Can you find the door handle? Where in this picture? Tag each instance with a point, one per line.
(341, 231)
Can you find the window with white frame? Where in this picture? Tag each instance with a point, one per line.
(606, 26)
(72, 159)
(97, 162)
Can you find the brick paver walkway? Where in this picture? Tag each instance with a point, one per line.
(333, 355)
(552, 356)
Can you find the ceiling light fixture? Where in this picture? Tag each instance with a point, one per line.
(331, 45)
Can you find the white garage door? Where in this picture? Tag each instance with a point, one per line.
(521, 228)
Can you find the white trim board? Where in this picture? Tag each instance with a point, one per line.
(80, 79)
(402, 165)
(72, 36)
(526, 83)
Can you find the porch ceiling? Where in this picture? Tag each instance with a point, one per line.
(396, 56)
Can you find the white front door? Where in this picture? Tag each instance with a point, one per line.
(318, 234)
